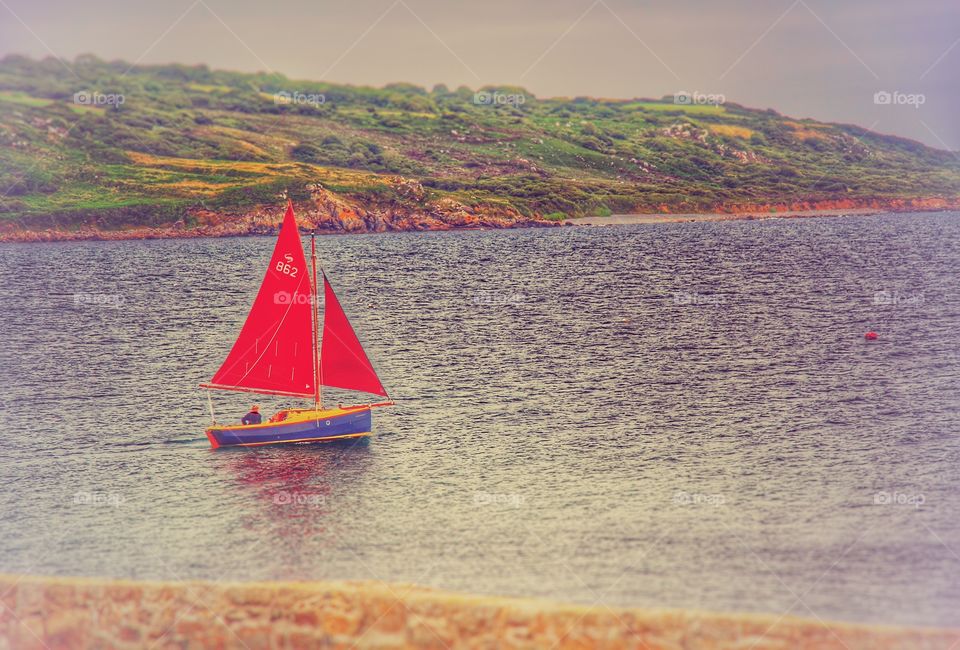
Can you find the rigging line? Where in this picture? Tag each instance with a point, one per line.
(213, 418)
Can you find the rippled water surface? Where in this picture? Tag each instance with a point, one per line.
(680, 415)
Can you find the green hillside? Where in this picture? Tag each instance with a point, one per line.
(150, 145)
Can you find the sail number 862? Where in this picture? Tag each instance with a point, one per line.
(287, 269)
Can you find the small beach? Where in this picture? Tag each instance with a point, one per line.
(667, 217)
(47, 613)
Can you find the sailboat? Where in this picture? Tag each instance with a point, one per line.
(278, 353)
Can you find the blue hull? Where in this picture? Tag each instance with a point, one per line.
(353, 424)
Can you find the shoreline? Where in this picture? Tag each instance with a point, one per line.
(253, 226)
(97, 612)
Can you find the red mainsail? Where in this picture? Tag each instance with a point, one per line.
(343, 363)
(274, 352)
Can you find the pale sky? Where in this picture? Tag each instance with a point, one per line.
(805, 58)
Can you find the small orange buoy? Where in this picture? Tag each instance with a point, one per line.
(870, 336)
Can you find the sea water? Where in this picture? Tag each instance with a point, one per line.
(672, 415)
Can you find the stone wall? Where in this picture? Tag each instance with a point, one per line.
(53, 613)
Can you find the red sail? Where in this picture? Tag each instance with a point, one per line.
(343, 363)
(274, 351)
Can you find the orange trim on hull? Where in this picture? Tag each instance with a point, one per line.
(347, 436)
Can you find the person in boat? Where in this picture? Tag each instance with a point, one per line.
(253, 417)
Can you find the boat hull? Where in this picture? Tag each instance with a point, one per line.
(316, 426)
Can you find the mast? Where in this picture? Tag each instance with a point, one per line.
(317, 379)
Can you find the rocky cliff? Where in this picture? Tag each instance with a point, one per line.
(329, 213)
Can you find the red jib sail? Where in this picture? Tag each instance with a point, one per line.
(274, 351)
(343, 363)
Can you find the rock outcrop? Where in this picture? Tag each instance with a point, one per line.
(329, 213)
(325, 212)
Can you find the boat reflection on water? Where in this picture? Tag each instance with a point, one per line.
(299, 488)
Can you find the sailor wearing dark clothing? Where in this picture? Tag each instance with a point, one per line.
(253, 417)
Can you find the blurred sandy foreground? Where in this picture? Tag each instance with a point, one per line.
(50, 613)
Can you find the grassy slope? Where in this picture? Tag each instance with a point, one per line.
(188, 137)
